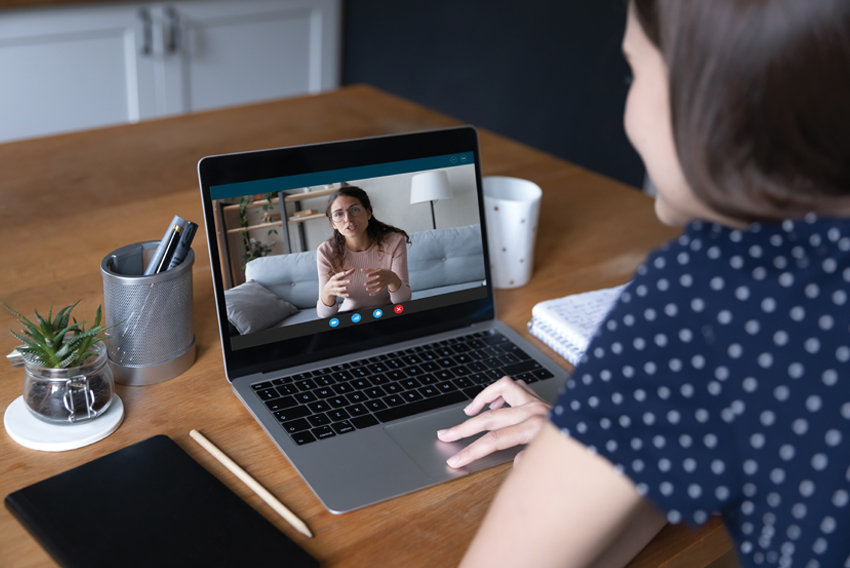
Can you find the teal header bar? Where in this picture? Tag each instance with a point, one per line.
(273, 185)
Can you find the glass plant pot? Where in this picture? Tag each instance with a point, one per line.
(73, 395)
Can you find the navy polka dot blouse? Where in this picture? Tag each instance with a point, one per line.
(719, 383)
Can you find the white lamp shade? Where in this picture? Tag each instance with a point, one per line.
(429, 186)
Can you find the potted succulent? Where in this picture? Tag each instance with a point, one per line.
(68, 380)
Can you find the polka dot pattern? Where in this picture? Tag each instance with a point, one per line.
(726, 386)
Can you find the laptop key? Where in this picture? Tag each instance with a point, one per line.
(262, 386)
(320, 406)
(306, 385)
(543, 374)
(357, 410)
(419, 406)
(375, 392)
(359, 372)
(323, 381)
(429, 391)
(343, 427)
(337, 401)
(394, 400)
(396, 375)
(319, 420)
(376, 405)
(356, 397)
(473, 391)
(364, 421)
(323, 432)
(360, 384)
(294, 426)
(286, 390)
(410, 396)
(268, 394)
(292, 413)
(444, 375)
(324, 392)
(379, 379)
(305, 397)
(427, 379)
(410, 384)
(393, 388)
(281, 403)
(462, 382)
(446, 386)
(337, 415)
(517, 368)
(302, 438)
(413, 371)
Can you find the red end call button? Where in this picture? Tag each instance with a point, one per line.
(398, 309)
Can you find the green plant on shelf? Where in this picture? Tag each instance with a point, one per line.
(253, 247)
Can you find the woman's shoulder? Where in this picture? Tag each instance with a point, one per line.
(325, 249)
(394, 239)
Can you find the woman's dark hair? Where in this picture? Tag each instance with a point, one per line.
(376, 229)
(760, 101)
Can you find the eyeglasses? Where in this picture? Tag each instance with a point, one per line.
(353, 211)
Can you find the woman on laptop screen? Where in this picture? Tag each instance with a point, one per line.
(364, 262)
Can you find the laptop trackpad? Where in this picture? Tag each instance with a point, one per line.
(418, 439)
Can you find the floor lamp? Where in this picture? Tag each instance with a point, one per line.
(430, 186)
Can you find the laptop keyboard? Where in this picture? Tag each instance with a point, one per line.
(334, 401)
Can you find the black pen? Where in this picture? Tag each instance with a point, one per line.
(170, 247)
(184, 245)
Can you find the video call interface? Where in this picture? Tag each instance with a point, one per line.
(271, 268)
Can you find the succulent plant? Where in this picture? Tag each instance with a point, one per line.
(61, 342)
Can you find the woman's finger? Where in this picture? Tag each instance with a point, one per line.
(506, 388)
(493, 420)
(500, 439)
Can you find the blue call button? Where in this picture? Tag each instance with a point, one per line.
(377, 313)
(333, 322)
(355, 318)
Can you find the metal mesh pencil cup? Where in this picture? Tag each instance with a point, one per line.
(154, 341)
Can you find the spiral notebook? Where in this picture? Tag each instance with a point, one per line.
(567, 324)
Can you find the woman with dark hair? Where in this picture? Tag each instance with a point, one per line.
(364, 262)
(718, 384)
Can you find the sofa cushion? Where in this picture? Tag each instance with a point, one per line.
(445, 257)
(293, 277)
(252, 307)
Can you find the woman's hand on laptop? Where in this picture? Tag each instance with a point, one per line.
(506, 427)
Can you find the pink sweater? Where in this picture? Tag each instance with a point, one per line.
(392, 256)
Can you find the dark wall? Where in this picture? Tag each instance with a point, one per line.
(545, 72)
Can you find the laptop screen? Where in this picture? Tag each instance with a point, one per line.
(329, 249)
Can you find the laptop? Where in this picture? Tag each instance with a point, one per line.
(354, 401)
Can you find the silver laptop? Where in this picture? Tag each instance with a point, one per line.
(354, 401)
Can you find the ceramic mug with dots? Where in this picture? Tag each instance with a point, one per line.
(512, 208)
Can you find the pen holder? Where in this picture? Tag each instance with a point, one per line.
(154, 340)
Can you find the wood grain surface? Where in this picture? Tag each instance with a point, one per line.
(66, 201)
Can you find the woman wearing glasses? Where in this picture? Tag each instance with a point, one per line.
(364, 262)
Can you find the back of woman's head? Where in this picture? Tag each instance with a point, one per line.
(760, 101)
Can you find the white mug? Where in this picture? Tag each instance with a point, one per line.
(511, 210)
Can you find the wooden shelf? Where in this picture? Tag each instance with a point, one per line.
(272, 225)
(302, 218)
(310, 195)
(252, 205)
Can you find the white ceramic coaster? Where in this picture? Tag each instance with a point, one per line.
(30, 432)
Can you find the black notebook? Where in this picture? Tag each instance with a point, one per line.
(149, 504)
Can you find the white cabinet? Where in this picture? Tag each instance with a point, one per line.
(74, 67)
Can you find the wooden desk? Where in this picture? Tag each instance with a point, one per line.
(66, 201)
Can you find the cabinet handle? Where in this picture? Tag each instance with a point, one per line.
(172, 43)
(147, 31)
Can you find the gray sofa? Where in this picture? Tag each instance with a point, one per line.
(438, 261)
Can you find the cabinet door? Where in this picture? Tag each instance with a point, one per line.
(68, 68)
(231, 53)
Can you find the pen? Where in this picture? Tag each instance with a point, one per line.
(184, 245)
(170, 247)
(261, 491)
(160, 249)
